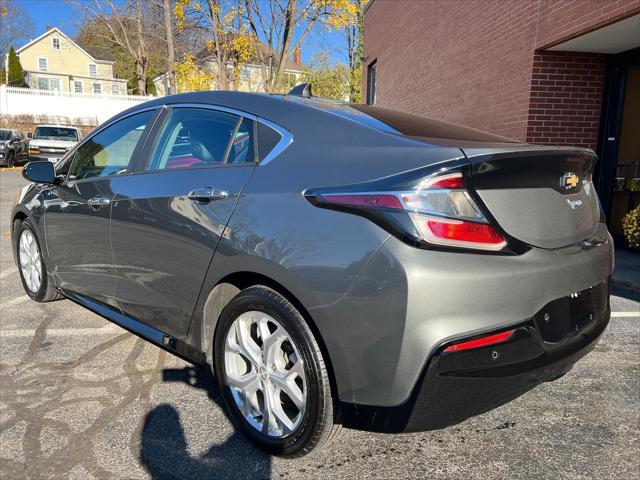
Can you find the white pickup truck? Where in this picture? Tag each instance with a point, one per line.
(51, 142)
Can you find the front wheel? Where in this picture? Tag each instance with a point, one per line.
(33, 271)
(272, 374)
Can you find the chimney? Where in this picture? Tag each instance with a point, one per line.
(48, 27)
(297, 56)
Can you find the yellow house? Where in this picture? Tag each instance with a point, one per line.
(55, 62)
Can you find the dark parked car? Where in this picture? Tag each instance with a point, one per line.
(336, 264)
(13, 147)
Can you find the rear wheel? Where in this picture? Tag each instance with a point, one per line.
(272, 374)
(33, 271)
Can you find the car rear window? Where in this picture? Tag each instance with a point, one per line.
(418, 126)
(400, 123)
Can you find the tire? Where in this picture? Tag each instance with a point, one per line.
(42, 291)
(312, 423)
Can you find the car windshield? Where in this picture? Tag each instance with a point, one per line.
(5, 135)
(56, 133)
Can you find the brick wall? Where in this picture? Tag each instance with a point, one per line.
(561, 20)
(476, 62)
(566, 98)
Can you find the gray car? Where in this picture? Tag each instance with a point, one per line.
(335, 264)
(13, 147)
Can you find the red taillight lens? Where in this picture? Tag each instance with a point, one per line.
(480, 342)
(465, 231)
(379, 201)
(440, 207)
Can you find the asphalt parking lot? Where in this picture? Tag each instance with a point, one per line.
(81, 398)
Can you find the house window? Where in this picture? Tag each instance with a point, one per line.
(372, 71)
(49, 84)
(77, 86)
(97, 88)
(43, 65)
(55, 43)
(115, 89)
(93, 70)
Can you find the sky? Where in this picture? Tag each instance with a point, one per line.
(66, 17)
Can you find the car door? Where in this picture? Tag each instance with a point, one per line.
(77, 210)
(169, 216)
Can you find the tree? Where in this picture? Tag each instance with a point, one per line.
(229, 44)
(354, 37)
(328, 81)
(126, 25)
(192, 78)
(16, 74)
(15, 25)
(284, 24)
(171, 51)
(95, 38)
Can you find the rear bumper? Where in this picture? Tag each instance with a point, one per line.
(458, 385)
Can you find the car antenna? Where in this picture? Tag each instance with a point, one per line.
(303, 90)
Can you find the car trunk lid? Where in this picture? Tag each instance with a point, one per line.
(542, 196)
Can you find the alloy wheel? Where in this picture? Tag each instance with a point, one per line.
(265, 374)
(30, 262)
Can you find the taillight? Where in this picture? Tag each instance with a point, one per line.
(480, 342)
(439, 209)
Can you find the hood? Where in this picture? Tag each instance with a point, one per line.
(43, 142)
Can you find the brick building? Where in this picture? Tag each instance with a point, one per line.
(553, 72)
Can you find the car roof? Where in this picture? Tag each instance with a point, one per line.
(292, 111)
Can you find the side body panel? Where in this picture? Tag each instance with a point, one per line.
(77, 236)
(163, 241)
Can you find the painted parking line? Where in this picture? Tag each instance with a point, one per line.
(8, 271)
(108, 329)
(625, 314)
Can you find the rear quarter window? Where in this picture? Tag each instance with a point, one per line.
(268, 138)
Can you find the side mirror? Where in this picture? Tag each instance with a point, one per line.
(29, 135)
(39, 172)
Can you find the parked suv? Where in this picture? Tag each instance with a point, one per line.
(51, 142)
(13, 147)
(334, 263)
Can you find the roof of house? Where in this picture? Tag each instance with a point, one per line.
(57, 30)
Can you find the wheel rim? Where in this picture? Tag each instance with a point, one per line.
(30, 262)
(265, 374)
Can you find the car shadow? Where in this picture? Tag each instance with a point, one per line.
(164, 450)
(625, 293)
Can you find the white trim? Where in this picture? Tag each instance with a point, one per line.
(46, 67)
(89, 65)
(56, 29)
(76, 83)
(115, 86)
(53, 44)
(93, 88)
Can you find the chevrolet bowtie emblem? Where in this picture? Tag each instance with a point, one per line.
(569, 180)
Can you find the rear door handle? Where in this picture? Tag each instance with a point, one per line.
(98, 201)
(207, 194)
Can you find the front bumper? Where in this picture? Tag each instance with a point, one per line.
(53, 158)
(458, 385)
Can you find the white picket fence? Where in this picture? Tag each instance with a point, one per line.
(53, 104)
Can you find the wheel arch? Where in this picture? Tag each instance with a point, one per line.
(232, 284)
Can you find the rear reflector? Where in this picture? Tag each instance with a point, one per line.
(465, 231)
(480, 342)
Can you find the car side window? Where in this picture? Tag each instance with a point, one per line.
(197, 137)
(109, 152)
